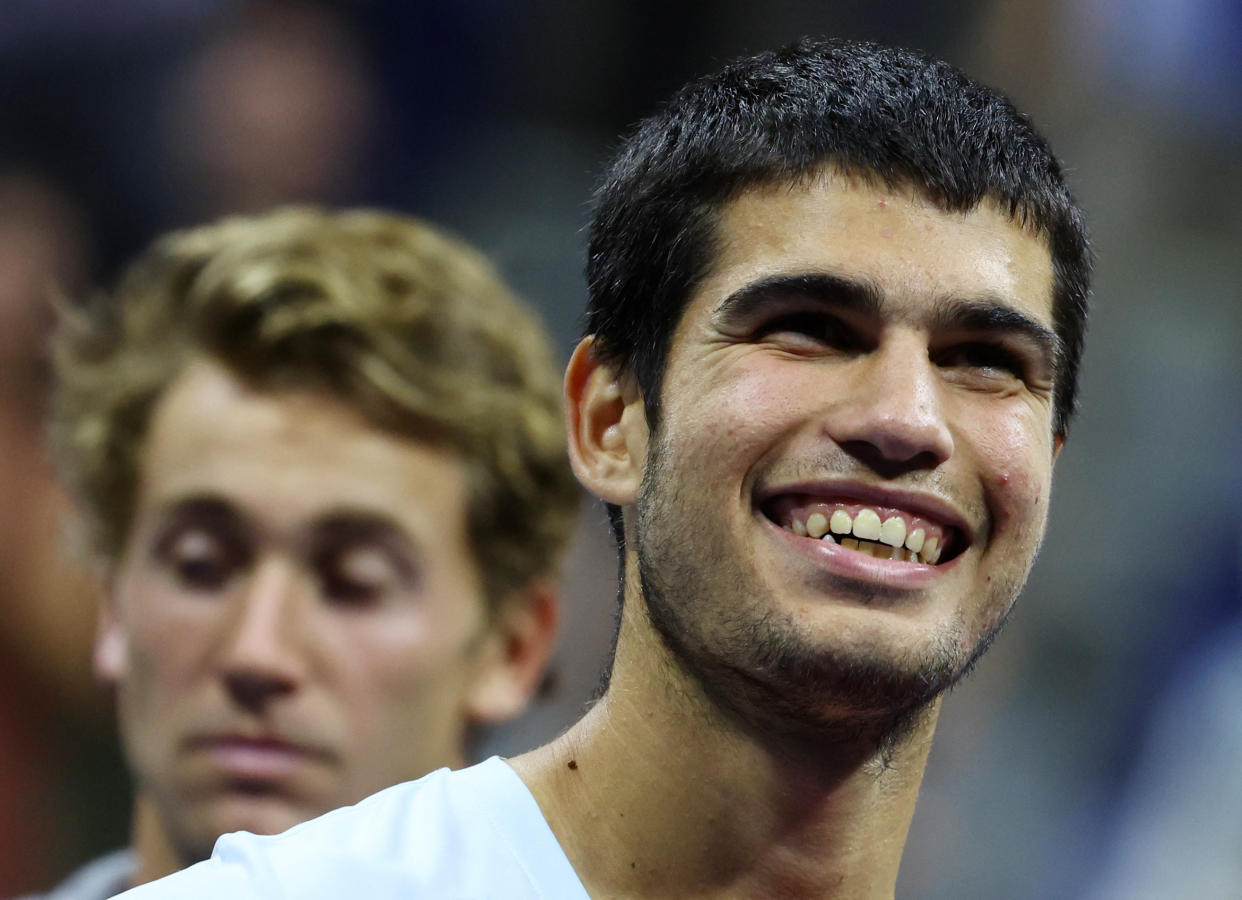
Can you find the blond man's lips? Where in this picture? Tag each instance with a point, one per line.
(252, 758)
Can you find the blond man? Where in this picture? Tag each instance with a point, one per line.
(322, 461)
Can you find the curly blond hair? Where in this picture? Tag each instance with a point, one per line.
(410, 326)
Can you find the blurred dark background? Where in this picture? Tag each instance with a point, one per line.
(120, 120)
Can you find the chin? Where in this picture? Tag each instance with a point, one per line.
(260, 814)
(884, 673)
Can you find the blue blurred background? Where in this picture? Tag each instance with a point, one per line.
(1106, 723)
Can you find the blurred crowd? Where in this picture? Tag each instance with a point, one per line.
(1055, 774)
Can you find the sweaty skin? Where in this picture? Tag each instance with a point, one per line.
(851, 345)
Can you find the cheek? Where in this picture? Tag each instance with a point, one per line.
(725, 418)
(166, 636)
(397, 694)
(1016, 461)
(162, 682)
(394, 662)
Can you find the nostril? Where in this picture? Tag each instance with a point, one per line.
(889, 461)
(253, 690)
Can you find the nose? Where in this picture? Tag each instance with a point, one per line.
(261, 659)
(890, 416)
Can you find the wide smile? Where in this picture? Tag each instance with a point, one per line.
(889, 528)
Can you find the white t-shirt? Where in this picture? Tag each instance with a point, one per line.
(468, 835)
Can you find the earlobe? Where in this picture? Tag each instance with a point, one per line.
(607, 427)
(111, 654)
(516, 653)
(1058, 441)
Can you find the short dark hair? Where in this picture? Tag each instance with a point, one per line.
(890, 115)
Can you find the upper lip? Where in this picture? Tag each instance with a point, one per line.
(923, 505)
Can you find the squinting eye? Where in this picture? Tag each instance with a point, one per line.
(810, 326)
(983, 357)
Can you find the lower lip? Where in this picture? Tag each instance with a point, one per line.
(846, 563)
(256, 760)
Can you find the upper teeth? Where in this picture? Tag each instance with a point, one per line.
(889, 538)
(893, 531)
(867, 525)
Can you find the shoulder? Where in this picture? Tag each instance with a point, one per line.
(458, 834)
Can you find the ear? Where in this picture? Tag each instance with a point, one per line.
(111, 655)
(607, 427)
(515, 653)
(1058, 441)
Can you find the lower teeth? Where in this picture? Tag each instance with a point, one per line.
(876, 549)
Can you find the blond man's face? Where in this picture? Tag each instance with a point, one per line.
(296, 619)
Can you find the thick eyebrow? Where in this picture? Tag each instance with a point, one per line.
(993, 315)
(824, 287)
(359, 523)
(985, 314)
(211, 508)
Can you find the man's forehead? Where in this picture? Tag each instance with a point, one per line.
(293, 452)
(895, 240)
(208, 407)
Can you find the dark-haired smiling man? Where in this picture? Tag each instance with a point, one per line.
(837, 301)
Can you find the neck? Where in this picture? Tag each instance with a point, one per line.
(670, 797)
(156, 854)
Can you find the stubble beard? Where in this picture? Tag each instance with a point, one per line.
(755, 664)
